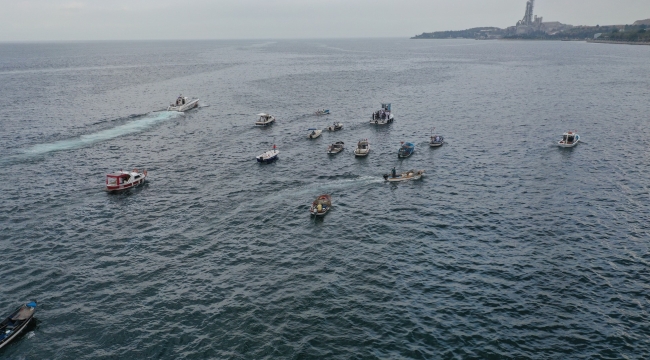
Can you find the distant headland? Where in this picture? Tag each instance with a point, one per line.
(531, 27)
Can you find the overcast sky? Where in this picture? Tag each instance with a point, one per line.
(37, 20)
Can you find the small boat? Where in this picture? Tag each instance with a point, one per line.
(363, 148)
(335, 127)
(268, 156)
(314, 133)
(335, 148)
(264, 120)
(321, 205)
(408, 175)
(183, 103)
(320, 112)
(15, 323)
(569, 139)
(436, 140)
(406, 150)
(382, 116)
(123, 180)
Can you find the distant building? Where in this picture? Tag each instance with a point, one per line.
(596, 36)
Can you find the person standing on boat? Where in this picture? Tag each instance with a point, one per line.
(393, 172)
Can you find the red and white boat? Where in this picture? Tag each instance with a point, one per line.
(122, 180)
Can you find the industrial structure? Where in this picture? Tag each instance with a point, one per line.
(529, 23)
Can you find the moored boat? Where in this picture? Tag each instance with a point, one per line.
(569, 139)
(363, 148)
(322, 112)
(382, 116)
(183, 103)
(268, 156)
(336, 148)
(436, 140)
(122, 180)
(408, 175)
(406, 150)
(265, 119)
(335, 127)
(16, 322)
(321, 205)
(314, 133)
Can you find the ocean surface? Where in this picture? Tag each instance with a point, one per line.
(509, 247)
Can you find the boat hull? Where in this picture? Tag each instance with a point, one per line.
(122, 187)
(315, 134)
(435, 144)
(16, 330)
(267, 160)
(264, 123)
(574, 143)
(361, 154)
(416, 176)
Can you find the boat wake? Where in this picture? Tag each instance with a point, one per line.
(131, 127)
(85, 140)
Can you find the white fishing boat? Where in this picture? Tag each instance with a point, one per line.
(314, 133)
(408, 175)
(382, 116)
(268, 156)
(264, 120)
(335, 127)
(436, 140)
(123, 180)
(363, 148)
(320, 112)
(569, 139)
(336, 148)
(183, 103)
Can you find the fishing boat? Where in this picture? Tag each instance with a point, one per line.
(408, 175)
(268, 156)
(264, 120)
(16, 322)
(321, 205)
(363, 148)
(335, 127)
(183, 103)
(320, 112)
(335, 148)
(569, 139)
(314, 133)
(406, 150)
(382, 116)
(436, 140)
(122, 180)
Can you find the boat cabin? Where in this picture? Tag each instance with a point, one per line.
(568, 138)
(121, 178)
(181, 100)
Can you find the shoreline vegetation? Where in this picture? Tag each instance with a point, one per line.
(635, 34)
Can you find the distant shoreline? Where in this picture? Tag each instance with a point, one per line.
(520, 39)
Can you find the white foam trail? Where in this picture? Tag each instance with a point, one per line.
(86, 140)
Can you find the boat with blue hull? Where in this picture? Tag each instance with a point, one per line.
(268, 156)
(16, 322)
(406, 150)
